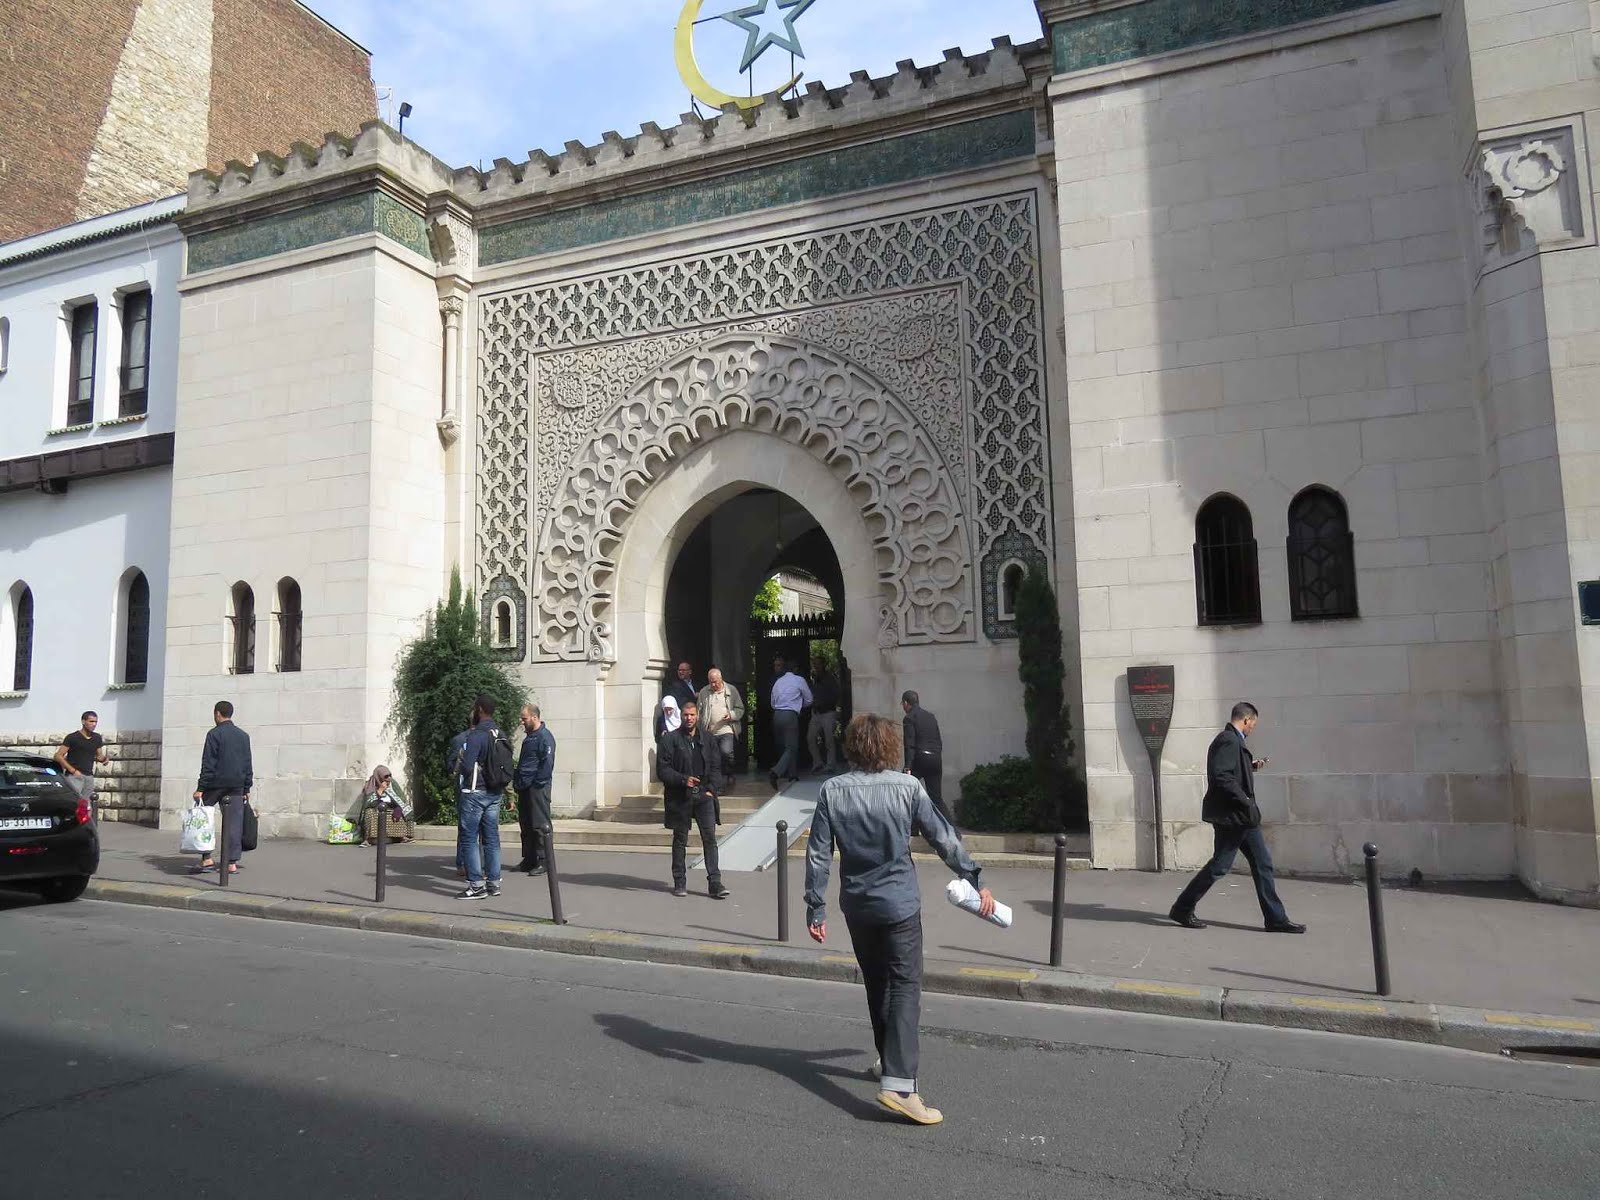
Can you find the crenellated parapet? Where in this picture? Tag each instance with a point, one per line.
(968, 109)
(977, 83)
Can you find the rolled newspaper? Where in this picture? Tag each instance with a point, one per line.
(963, 895)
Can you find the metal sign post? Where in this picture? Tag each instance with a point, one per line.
(1150, 697)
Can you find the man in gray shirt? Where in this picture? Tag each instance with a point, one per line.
(871, 814)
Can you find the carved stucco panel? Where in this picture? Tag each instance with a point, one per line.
(803, 393)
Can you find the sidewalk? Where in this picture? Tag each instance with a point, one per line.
(1485, 948)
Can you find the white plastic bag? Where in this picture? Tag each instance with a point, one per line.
(963, 895)
(199, 831)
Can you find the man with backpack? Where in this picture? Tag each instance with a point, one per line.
(483, 768)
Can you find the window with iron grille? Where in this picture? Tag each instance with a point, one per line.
(1227, 579)
(1322, 557)
(290, 622)
(136, 652)
(80, 381)
(22, 663)
(242, 660)
(135, 354)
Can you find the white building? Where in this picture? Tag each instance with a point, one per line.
(88, 386)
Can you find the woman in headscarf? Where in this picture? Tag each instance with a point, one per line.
(668, 718)
(382, 786)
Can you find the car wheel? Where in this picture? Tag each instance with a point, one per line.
(59, 891)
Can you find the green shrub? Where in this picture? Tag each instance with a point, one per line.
(1000, 797)
(438, 676)
(1060, 802)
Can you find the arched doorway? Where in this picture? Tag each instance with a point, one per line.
(752, 537)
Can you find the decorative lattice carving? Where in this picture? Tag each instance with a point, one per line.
(802, 393)
(911, 342)
(987, 251)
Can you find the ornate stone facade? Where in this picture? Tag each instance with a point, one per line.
(804, 394)
(947, 315)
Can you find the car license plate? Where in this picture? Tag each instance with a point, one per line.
(25, 822)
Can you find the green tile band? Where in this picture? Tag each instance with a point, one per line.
(312, 226)
(837, 172)
(1161, 26)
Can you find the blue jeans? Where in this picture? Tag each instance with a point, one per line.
(1231, 840)
(479, 814)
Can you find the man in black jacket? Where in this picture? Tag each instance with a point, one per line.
(1230, 809)
(925, 750)
(689, 764)
(226, 774)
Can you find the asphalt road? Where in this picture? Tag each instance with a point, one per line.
(148, 1052)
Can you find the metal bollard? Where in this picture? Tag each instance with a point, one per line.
(547, 838)
(383, 851)
(1058, 900)
(222, 839)
(783, 881)
(1380, 943)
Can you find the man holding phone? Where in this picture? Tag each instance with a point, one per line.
(1230, 809)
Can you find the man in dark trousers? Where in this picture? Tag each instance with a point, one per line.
(925, 750)
(536, 767)
(226, 774)
(690, 764)
(1230, 809)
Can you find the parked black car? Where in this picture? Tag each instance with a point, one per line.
(48, 839)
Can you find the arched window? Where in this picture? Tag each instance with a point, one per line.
(1227, 579)
(136, 629)
(242, 654)
(1011, 577)
(290, 621)
(502, 623)
(22, 637)
(1322, 557)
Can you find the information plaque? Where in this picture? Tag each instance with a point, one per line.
(1150, 699)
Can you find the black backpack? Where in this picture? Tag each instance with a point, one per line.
(499, 768)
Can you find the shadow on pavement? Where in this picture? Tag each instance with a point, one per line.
(620, 883)
(171, 1123)
(804, 1067)
(172, 864)
(1099, 912)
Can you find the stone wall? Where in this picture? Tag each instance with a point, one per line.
(129, 786)
(1266, 289)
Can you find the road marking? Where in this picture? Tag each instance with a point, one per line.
(1000, 973)
(1156, 989)
(839, 958)
(607, 935)
(1497, 1018)
(1351, 1006)
(726, 948)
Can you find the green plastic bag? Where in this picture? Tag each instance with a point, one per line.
(342, 831)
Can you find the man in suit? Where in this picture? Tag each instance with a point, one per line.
(1230, 809)
(925, 750)
(682, 687)
(689, 764)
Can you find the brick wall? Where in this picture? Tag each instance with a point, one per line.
(57, 60)
(69, 150)
(280, 75)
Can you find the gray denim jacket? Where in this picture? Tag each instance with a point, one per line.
(872, 819)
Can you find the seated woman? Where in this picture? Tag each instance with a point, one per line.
(382, 786)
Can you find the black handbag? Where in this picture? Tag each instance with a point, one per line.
(251, 833)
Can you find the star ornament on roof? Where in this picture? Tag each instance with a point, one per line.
(769, 23)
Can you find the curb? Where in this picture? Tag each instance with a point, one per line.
(1432, 1024)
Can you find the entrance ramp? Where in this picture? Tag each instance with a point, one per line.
(753, 846)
